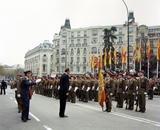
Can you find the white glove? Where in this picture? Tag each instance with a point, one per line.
(123, 92)
(145, 93)
(133, 93)
(38, 80)
(154, 88)
(126, 87)
(137, 92)
(18, 95)
(111, 94)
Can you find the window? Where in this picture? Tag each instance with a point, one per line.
(78, 41)
(85, 33)
(72, 51)
(84, 59)
(71, 69)
(78, 69)
(94, 50)
(57, 52)
(94, 40)
(94, 32)
(63, 59)
(72, 42)
(130, 29)
(72, 60)
(62, 69)
(84, 69)
(130, 38)
(78, 59)
(64, 42)
(120, 30)
(151, 43)
(72, 34)
(57, 43)
(151, 51)
(84, 51)
(120, 39)
(63, 51)
(44, 67)
(158, 29)
(78, 33)
(85, 41)
(57, 60)
(78, 51)
(57, 69)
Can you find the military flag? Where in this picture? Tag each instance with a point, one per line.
(115, 56)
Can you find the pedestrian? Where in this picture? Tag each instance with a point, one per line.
(63, 92)
(25, 94)
(3, 87)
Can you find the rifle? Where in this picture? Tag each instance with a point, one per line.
(136, 103)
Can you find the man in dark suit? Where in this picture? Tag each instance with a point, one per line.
(25, 95)
(63, 92)
(3, 86)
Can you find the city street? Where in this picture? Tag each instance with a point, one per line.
(44, 114)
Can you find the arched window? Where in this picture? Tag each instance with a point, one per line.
(63, 51)
(84, 51)
(78, 51)
(72, 51)
(94, 50)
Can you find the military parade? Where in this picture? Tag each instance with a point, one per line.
(79, 65)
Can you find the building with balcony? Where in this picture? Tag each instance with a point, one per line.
(73, 47)
(39, 59)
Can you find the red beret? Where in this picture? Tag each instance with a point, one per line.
(109, 73)
(142, 71)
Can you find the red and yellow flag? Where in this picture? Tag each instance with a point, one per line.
(148, 49)
(100, 62)
(123, 54)
(115, 56)
(92, 61)
(158, 50)
(97, 63)
(101, 92)
(139, 52)
(105, 56)
(134, 53)
(109, 57)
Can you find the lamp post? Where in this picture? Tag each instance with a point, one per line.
(127, 35)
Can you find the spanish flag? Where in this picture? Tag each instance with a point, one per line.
(134, 53)
(92, 61)
(97, 62)
(109, 57)
(158, 50)
(100, 62)
(115, 56)
(101, 92)
(148, 49)
(123, 54)
(139, 52)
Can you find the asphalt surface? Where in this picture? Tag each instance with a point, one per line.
(81, 116)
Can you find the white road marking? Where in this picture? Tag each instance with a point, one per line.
(47, 127)
(34, 116)
(123, 115)
(11, 98)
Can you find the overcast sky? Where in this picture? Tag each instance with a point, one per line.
(24, 24)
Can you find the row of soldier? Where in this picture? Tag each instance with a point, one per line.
(117, 87)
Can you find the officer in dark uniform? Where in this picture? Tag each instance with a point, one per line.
(25, 95)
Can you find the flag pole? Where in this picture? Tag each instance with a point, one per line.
(157, 68)
(140, 66)
(148, 70)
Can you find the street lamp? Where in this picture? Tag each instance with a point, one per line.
(127, 35)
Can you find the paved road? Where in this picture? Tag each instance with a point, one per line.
(82, 116)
